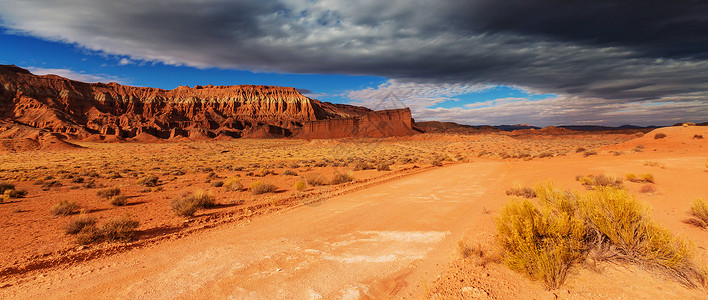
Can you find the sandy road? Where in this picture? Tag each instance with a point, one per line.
(386, 241)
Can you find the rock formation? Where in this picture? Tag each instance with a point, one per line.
(82, 110)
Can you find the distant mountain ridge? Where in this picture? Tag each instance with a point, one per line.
(80, 110)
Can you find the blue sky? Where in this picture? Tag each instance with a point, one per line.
(472, 62)
(42, 56)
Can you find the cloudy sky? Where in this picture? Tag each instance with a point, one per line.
(542, 62)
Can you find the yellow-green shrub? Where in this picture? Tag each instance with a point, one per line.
(544, 242)
(700, 209)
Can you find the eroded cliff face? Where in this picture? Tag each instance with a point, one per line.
(79, 109)
(385, 123)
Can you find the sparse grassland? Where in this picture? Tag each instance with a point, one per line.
(104, 180)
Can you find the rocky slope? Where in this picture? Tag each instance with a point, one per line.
(86, 110)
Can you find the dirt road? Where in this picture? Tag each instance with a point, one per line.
(386, 241)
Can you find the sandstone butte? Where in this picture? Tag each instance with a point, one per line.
(65, 108)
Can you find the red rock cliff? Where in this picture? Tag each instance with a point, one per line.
(395, 122)
(80, 109)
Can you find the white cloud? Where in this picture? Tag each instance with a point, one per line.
(74, 75)
(398, 94)
(124, 61)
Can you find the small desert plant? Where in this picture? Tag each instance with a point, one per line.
(545, 154)
(49, 184)
(520, 191)
(383, 166)
(436, 162)
(233, 184)
(184, 206)
(150, 180)
(700, 209)
(217, 183)
(4, 186)
(260, 187)
(290, 173)
(79, 223)
(698, 136)
(477, 252)
(589, 153)
(659, 135)
(118, 200)
(300, 185)
(647, 188)
(580, 149)
(591, 181)
(646, 177)
(119, 229)
(362, 165)
(341, 178)
(108, 193)
(316, 179)
(204, 199)
(64, 208)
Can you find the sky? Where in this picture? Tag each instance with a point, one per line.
(477, 62)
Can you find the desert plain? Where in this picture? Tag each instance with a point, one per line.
(398, 217)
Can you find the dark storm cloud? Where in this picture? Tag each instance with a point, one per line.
(618, 51)
(652, 28)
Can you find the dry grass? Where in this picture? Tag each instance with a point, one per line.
(589, 153)
(65, 208)
(188, 205)
(647, 188)
(646, 177)
(520, 191)
(480, 254)
(592, 181)
(233, 184)
(260, 187)
(119, 229)
(108, 193)
(184, 206)
(118, 200)
(150, 181)
(301, 185)
(660, 135)
(700, 209)
(316, 179)
(545, 242)
(79, 223)
(339, 178)
(5, 186)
